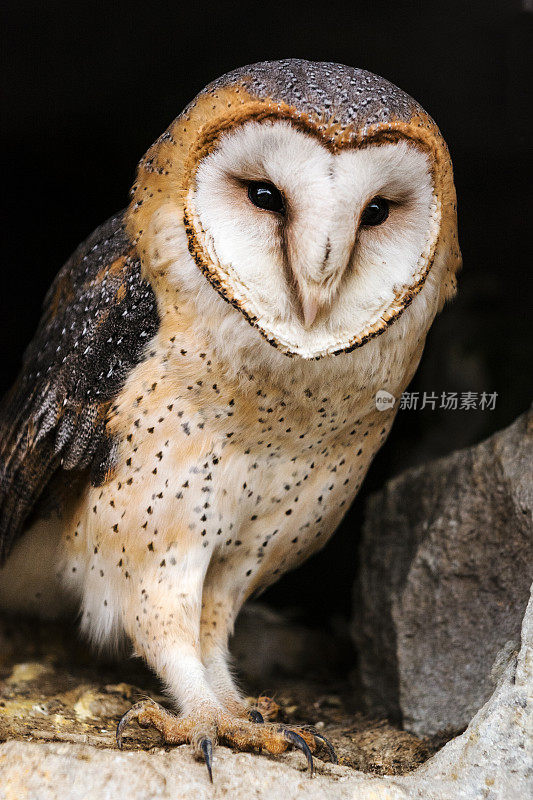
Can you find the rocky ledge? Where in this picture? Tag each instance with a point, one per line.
(491, 759)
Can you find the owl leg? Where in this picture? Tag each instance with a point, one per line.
(218, 616)
(221, 680)
(216, 626)
(164, 624)
(161, 614)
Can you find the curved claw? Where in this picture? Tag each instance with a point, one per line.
(329, 746)
(302, 745)
(132, 713)
(206, 746)
(256, 716)
(320, 736)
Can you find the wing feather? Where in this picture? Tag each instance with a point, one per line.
(98, 316)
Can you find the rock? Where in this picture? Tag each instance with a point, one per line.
(268, 643)
(78, 772)
(492, 759)
(446, 563)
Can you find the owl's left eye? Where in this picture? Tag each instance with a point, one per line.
(266, 196)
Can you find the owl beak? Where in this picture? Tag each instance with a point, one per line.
(309, 310)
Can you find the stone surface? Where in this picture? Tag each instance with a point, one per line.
(269, 643)
(446, 564)
(491, 760)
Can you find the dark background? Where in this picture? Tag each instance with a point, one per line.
(87, 87)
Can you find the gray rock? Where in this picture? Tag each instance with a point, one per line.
(268, 643)
(493, 758)
(446, 564)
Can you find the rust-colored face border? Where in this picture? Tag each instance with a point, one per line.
(167, 172)
(335, 138)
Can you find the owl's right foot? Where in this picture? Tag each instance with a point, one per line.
(205, 730)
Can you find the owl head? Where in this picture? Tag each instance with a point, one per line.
(314, 198)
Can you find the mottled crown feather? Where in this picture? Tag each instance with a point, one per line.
(353, 96)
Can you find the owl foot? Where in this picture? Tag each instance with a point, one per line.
(263, 708)
(205, 730)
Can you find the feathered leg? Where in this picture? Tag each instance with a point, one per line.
(163, 618)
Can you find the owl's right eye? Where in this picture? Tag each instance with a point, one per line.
(266, 196)
(376, 212)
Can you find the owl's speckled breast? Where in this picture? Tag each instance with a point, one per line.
(251, 474)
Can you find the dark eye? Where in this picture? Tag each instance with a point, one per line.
(265, 195)
(376, 212)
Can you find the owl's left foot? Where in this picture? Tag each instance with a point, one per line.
(205, 730)
(264, 709)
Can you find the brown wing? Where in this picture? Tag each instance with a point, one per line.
(98, 316)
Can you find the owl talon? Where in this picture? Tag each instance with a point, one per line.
(133, 713)
(329, 747)
(324, 740)
(148, 713)
(299, 742)
(267, 707)
(206, 746)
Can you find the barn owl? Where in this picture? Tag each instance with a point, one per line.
(198, 408)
